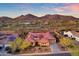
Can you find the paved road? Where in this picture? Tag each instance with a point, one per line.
(59, 54)
(55, 52)
(4, 53)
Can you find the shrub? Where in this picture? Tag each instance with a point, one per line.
(65, 41)
(7, 48)
(74, 50)
(17, 50)
(25, 44)
(16, 44)
(19, 44)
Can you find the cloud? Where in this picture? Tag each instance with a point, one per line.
(74, 7)
(71, 8)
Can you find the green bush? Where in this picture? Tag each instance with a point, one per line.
(19, 44)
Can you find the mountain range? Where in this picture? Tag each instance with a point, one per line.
(30, 17)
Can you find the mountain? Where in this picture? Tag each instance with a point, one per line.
(30, 17)
(5, 19)
(58, 17)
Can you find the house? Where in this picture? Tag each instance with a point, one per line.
(75, 35)
(6, 37)
(43, 42)
(7, 32)
(43, 38)
(72, 34)
(67, 33)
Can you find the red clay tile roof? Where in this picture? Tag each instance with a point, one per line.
(43, 40)
(32, 36)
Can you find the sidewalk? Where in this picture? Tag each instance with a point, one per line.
(34, 54)
(46, 54)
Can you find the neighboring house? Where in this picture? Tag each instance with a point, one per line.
(6, 37)
(72, 34)
(42, 38)
(75, 35)
(67, 33)
(7, 32)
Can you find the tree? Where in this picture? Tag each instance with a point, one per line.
(18, 41)
(25, 44)
(16, 44)
(12, 46)
(22, 33)
(65, 41)
(19, 45)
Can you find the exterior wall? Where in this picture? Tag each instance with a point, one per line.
(52, 41)
(68, 33)
(43, 44)
(71, 35)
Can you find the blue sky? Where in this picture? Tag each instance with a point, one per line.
(38, 9)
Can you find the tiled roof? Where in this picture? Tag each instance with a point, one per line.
(43, 40)
(6, 39)
(32, 36)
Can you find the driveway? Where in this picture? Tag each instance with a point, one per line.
(56, 50)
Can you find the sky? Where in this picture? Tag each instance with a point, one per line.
(39, 9)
